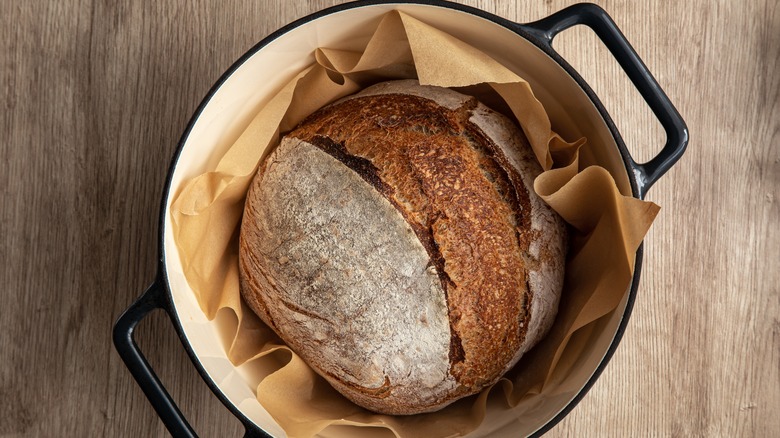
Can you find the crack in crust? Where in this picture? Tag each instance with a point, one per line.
(366, 169)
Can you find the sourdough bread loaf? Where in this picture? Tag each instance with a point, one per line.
(394, 241)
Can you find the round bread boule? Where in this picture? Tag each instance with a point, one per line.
(394, 241)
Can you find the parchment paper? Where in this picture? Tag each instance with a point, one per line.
(606, 229)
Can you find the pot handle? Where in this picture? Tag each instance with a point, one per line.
(601, 23)
(169, 413)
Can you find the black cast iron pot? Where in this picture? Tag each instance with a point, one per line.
(574, 110)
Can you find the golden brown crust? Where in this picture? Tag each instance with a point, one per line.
(465, 207)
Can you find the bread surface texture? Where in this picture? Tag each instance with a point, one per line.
(394, 241)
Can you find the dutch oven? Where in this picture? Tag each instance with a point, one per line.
(525, 48)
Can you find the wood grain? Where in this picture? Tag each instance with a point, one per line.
(96, 94)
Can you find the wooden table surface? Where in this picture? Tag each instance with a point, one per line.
(96, 94)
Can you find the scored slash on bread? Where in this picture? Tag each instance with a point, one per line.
(394, 241)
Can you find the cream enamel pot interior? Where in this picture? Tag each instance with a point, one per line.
(525, 48)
